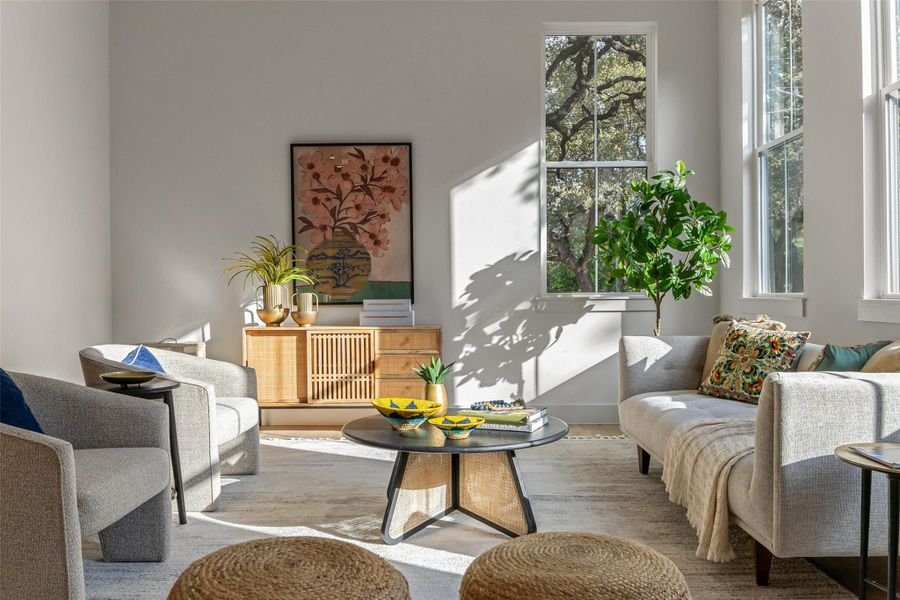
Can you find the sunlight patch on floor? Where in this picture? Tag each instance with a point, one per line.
(343, 448)
(416, 556)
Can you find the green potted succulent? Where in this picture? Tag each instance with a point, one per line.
(434, 373)
(270, 265)
(665, 242)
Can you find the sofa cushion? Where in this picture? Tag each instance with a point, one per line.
(886, 360)
(748, 356)
(235, 416)
(651, 418)
(808, 356)
(112, 482)
(846, 358)
(720, 329)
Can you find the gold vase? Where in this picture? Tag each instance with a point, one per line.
(273, 311)
(436, 392)
(304, 310)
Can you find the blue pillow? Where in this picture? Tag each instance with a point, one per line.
(142, 358)
(13, 408)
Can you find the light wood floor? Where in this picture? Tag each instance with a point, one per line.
(323, 431)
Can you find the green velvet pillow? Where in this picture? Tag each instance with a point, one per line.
(846, 358)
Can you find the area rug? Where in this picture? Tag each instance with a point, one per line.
(335, 488)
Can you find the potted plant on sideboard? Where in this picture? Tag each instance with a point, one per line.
(665, 241)
(434, 373)
(272, 264)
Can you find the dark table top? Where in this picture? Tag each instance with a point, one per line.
(154, 387)
(376, 431)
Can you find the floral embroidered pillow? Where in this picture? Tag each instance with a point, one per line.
(747, 357)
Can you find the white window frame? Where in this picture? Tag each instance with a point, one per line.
(758, 266)
(888, 238)
(648, 29)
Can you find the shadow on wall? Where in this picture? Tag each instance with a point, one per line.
(507, 339)
(500, 337)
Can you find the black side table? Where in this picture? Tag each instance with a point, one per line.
(159, 389)
(893, 476)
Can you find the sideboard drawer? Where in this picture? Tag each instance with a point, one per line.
(411, 340)
(399, 365)
(400, 388)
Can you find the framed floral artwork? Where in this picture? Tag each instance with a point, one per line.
(352, 213)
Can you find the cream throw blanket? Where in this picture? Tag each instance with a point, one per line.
(699, 457)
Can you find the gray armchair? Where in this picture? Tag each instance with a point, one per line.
(101, 466)
(216, 415)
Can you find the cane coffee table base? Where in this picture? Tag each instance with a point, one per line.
(425, 487)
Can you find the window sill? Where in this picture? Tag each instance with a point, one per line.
(879, 310)
(775, 306)
(568, 303)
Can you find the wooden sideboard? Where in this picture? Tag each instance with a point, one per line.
(325, 365)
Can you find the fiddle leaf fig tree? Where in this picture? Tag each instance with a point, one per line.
(665, 242)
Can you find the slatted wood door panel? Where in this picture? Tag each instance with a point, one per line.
(341, 367)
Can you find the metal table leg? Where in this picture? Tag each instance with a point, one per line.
(893, 523)
(176, 458)
(865, 507)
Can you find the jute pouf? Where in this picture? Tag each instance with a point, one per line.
(291, 568)
(554, 566)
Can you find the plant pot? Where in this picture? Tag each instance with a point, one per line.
(272, 312)
(436, 392)
(304, 308)
(341, 265)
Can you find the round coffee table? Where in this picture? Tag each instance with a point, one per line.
(434, 476)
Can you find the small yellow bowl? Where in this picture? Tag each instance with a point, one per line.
(456, 427)
(405, 414)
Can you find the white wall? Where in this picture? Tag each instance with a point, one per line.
(54, 216)
(835, 171)
(206, 97)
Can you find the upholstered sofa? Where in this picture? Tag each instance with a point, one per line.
(791, 495)
(101, 466)
(216, 414)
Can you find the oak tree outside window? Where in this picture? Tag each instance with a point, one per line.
(890, 94)
(596, 140)
(779, 146)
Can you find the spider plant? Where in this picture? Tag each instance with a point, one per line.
(271, 262)
(434, 372)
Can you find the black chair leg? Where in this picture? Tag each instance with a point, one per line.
(643, 461)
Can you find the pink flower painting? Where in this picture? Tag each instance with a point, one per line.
(359, 195)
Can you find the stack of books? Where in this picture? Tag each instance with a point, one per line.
(384, 313)
(509, 416)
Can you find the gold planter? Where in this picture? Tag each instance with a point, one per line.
(273, 311)
(436, 392)
(304, 308)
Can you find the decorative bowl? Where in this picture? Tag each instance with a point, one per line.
(124, 378)
(456, 427)
(405, 414)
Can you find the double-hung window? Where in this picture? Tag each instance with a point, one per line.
(890, 100)
(597, 138)
(779, 147)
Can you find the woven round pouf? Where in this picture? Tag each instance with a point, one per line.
(557, 566)
(291, 568)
